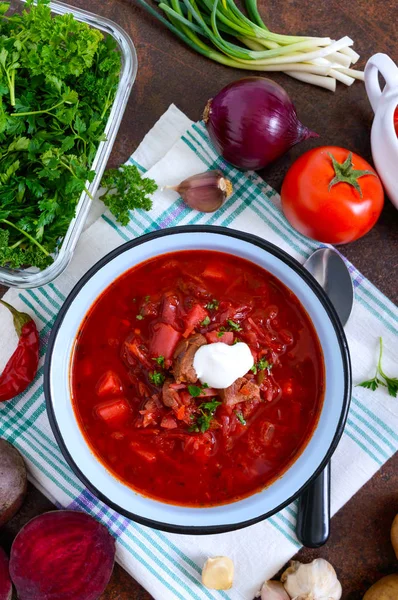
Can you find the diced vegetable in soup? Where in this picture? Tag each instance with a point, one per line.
(149, 418)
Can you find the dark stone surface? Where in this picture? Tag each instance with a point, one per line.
(169, 72)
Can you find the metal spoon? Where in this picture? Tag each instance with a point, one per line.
(313, 519)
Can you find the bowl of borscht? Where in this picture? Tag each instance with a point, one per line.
(197, 379)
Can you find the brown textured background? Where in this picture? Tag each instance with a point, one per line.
(169, 72)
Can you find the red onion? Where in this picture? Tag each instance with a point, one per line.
(252, 122)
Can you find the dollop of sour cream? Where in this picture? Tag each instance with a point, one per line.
(219, 365)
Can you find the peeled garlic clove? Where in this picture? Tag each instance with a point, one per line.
(218, 573)
(273, 590)
(205, 192)
(313, 581)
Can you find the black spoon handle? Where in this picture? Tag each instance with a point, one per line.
(313, 519)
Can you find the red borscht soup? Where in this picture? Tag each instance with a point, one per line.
(139, 403)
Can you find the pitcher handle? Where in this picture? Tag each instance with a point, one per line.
(389, 70)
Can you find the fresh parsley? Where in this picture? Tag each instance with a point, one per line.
(196, 390)
(206, 321)
(213, 305)
(261, 365)
(159, 360)
(380, 378)
(156, 378)
(139, 317)
(240, 417)
(126, 190)
(206, 413)
(58, 80)
(234, 326)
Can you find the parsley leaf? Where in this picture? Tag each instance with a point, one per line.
(126, 190)
(159, 360)
(139, 317)
(371, 384)
(234, 326)
(391, 383)
(205, 321)
(196, 390)
(240, 417)
(157, 378)
(261, 365)
(204, 419)
(4, 6)
(210, 406)
(213, 305)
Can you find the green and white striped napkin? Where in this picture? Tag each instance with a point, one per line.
(168, 565)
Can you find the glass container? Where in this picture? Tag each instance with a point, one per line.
(32, 277)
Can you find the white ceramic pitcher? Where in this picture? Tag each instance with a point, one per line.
(384, 139)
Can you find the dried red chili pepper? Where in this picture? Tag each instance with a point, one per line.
(21, 369)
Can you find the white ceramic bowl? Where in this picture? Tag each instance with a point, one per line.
(260, 505)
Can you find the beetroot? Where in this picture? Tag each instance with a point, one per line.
(13, 481)
(5, 581)
(62, 555)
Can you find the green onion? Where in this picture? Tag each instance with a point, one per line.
(202, 25)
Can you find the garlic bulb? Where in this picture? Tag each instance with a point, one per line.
(218, 573)
(273, 590)
(314, 581)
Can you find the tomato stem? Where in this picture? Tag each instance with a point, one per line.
(345, 173)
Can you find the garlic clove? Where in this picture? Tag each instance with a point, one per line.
(273, 590)
(218, 573)
(206, 191)
(313, 581)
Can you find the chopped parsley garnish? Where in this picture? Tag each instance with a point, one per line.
(156, 378)
(139, 317)
(391, 383)
(196, 390)
(204, 419)
(210, 405)
(240, 417)
(159, 360)
(234, 326)
(147, 298)
(213, 305)
(206, 321)
(221, 332)
(261, 365)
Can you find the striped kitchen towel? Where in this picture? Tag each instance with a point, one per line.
(169, 565)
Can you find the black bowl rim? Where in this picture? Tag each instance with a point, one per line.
(307, 278)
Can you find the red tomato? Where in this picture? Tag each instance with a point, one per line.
(335, 214)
